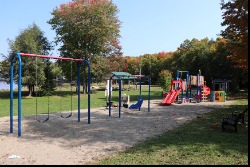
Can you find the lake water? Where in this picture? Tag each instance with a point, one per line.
(3, 85)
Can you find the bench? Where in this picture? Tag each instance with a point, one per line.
(236, 117)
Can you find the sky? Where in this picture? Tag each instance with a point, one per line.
(148, 26)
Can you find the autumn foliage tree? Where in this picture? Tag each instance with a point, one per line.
(236, 19)
(87, 28)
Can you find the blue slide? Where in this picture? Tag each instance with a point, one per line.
(137, 105)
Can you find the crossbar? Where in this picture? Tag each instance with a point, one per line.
(49, 57)
(138, 76)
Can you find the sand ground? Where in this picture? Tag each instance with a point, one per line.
(65, 141)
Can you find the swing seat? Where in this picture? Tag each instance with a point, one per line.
(137, 105)
(111, 103)
(125, 105)
(67, 116)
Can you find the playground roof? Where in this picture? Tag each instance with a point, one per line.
(220, 81)
(120, 74)
(125, 75)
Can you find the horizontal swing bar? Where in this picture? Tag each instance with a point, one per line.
(49, 57)
(138, 76)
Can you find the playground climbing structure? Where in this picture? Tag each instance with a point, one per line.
(192, 88)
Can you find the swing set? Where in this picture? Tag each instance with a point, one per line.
(119, 76)
(48, 93)
(19, 55)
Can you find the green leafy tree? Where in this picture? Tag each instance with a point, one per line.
(87, 28)
(30, 40)
(151, 65)
(4, 71)
(49, 83)
(235, 18)
(100, 68)
(164, 79)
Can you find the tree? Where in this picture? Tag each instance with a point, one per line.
(132, 65)
(87, 27)
(30, 40)
(4, 71)
(236, 19)
(164, 79)
(100, 68)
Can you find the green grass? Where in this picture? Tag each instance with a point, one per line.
(60, 100)
(194, 143)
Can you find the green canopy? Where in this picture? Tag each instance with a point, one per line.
(120, 74)
(126, 76)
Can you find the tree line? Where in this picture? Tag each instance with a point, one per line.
(89, 29)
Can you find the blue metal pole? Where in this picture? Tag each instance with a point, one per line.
(19, 96)
(182, 95)
(78, 84)
(119, 96)
(149, 93)
(190, 92)
(176, 84)
(89, 79)
(200, 90)
(140, 87)
(187, 75)
(110, 95)
(198, 80)
(177, 74)
(78, 90)
(11, 97)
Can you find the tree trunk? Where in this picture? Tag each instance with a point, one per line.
(76, 86)
(85, 79)
(83, 85)
(33, 90)
(30, 90)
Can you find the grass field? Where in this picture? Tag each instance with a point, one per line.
(194, 143)
(60, 100)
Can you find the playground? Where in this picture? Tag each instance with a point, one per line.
(24, 139)
(65, 141)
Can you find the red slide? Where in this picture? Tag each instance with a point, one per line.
(206, 90)
(171, 96)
